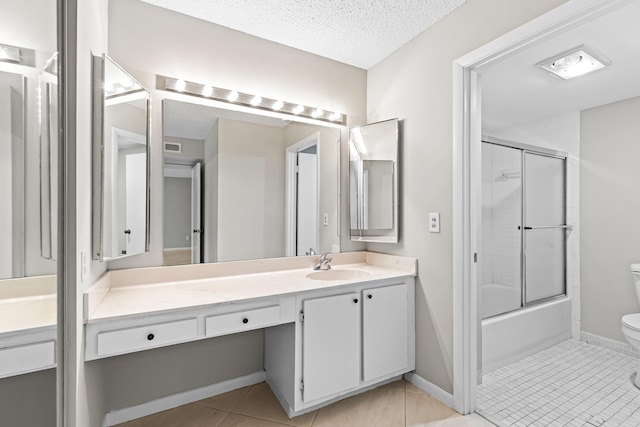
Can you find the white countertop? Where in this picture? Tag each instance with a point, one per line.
(27, 303)
(124, 296)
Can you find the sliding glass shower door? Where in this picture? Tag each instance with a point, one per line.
(524, 227)
(544, 222)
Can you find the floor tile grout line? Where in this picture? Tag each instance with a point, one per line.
(591, 370)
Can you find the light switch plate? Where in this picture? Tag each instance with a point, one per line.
(434, 222)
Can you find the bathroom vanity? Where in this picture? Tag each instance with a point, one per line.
(27, 325)
(328, 334)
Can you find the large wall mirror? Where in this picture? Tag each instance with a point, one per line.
(28, 298)
(373, 182)
(239, 185)
(120, 162)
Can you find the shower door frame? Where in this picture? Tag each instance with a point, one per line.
(539, 151)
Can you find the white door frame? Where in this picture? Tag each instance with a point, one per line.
(291, 191)
(466, 176)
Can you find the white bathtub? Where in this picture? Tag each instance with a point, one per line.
(510, 337)
(498, 299)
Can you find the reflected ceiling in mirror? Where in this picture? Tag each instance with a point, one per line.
(246, 186)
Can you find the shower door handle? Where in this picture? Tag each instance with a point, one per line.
(546, 227)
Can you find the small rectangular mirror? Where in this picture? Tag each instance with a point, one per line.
(373, 182)
(120, 162)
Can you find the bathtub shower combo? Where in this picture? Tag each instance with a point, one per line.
(522, 294)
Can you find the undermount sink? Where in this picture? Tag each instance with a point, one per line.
(338, 274)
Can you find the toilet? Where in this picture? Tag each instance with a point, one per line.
(631, 322)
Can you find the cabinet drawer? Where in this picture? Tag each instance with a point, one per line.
(144, 337)
(242, 320)
(27, 358)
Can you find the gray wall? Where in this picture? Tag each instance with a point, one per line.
(415, 84)
(177, 212)
(250, 191)
(610, 210)
(28, 400)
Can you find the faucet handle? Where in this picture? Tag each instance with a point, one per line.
(325, 257)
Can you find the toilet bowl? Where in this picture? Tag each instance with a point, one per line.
(631, 322)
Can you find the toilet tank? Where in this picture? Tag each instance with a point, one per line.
(635, 274)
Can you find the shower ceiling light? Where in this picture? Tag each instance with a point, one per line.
(574, 63)
(248, 100)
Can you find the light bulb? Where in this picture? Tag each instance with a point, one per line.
(207, 90)
(299, 109)
(278, 105)
(256, 100)
(180, 85)
(317, 113)
(233, 95)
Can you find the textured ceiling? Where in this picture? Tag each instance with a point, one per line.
(356, 32)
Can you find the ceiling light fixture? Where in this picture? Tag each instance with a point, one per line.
(576, 62)
(249, 100)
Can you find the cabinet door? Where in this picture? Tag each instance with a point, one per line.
(384, 331)
(330, 345)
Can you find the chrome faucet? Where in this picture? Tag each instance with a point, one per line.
(324, 262)
(310, 252)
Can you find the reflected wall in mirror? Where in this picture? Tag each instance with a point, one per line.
(120, 162)
(373, 182)
(246, 186)
(20, 219)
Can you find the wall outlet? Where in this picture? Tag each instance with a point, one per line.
(434, 222)
(325, 219)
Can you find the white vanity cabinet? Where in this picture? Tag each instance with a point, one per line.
(331, 349)
(343, 344)
(385, 331)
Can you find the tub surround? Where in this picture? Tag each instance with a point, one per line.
(27, 324)
(358, 327)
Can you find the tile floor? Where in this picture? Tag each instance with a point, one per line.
(396, 404)
(570, 384)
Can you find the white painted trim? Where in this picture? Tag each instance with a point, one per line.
(119, 416)
(430, 388)
(466, 158)
(291, 191)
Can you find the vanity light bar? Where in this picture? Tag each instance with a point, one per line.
(251, 100)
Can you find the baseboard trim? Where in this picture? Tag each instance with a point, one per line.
(428, 387)
(119, 416)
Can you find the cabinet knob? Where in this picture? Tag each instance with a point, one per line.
(369, 296)
(150, 337)
(245, 320)
(355, 300)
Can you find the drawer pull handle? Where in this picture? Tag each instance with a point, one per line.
(245, 320)
(369, 296)
(355, 300)
(150, 337)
